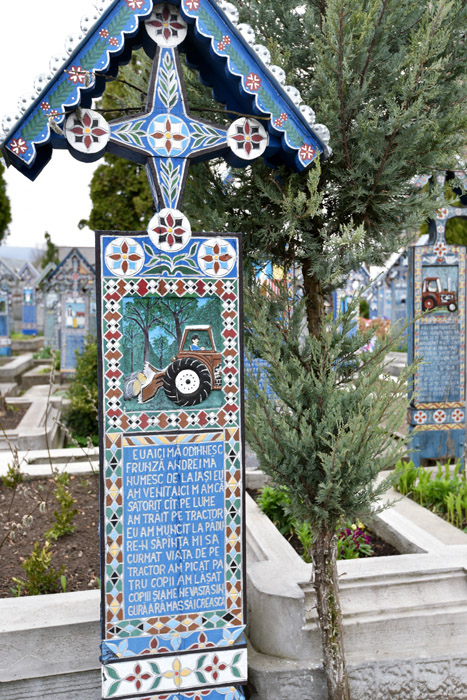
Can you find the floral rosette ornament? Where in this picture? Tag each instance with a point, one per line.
(420, 417)
(87, 131)
(124, 257)
(458, 415)
(440, 249)
(247, 138)
(169, 230)
(166, 26)
(216, 258)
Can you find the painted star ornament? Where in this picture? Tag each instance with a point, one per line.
(87, 131)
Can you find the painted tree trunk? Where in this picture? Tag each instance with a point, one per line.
(324, 555)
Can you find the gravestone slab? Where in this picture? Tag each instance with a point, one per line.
(437, 339)
(172, 450)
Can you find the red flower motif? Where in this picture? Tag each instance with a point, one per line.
(284, 117)
(253, 81)
(45, 106)
(87, 131)
(76, 74)
(220, 46)
(215, 668)
(420, 417)
(169, 231)
(168, 135)
(277, 122)
(123, 259)
(18, 146)
(166, 23)
(216, 259)
(439, 416)
(53, 113)
(104, 33)
(113, 41)
(192, 4)
(226, 40)
(249, 137)
(137, 677)
(134, 4)
(307, 152)
(458, 415)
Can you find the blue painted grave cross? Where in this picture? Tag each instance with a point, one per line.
(170, 337)
(437, 275)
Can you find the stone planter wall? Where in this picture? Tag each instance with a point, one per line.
(405, 622)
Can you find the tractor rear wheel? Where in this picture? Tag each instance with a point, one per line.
(187, 382)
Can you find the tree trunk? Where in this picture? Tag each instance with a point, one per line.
(146, 346)
(314, 300)
(324, 554)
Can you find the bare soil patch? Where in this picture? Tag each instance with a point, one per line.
(12, 416)
(79, 552)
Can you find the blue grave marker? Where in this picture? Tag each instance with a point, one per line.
(437, 286)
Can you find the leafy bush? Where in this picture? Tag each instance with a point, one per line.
(81, 415)
(63, 524)
(41, 577)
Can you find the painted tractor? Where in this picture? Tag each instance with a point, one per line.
(433, 295)
(188, 380)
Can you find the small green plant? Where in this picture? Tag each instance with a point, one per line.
(444, 492)
(43, 354)
(63, 524)
(41, 577)
(352, 541)
(275, 503)
(13, 477)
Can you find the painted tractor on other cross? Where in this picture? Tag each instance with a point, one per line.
(188, 380)
(433, 295)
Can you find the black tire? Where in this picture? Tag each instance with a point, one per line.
(187, 382)
(452, 307)
(428, 303)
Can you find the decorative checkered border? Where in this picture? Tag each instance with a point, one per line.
(116, 418)
(169, 634)
(433, 319)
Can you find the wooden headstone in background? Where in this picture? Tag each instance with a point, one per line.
(437, 339)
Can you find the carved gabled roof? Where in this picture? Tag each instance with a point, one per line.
(224, 53)
(28, 272)
(67, 272)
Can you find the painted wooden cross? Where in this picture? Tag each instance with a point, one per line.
(437, 277)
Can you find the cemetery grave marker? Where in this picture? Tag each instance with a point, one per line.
(169, 310)
(28, 276)
(8, 279)
(69, 289)
(437, 285)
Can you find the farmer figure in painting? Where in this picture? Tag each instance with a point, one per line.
(195, 343)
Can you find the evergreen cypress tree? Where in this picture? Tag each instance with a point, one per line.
(5, 209)
(388, 79)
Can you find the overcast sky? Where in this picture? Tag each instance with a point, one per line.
(32, 31)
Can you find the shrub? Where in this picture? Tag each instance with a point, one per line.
(81, 415)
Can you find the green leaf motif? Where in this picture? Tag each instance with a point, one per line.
(90, 58)
(112, 673)
(170, 179)
(210, 24)
(149, 251)
(159, 269)
(200, 661)
(114, 687)
(131, 133)
(200, 677)
(168, 83)
(235, 672)
(155, 668)
(236, 659)
(182, 270)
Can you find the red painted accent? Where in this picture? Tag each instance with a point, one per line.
(142, 287)
(200, 287)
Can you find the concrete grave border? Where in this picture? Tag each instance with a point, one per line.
(405, 619)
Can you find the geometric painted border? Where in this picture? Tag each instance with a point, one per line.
(433, 319)
(115, 415)
(174, 674)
